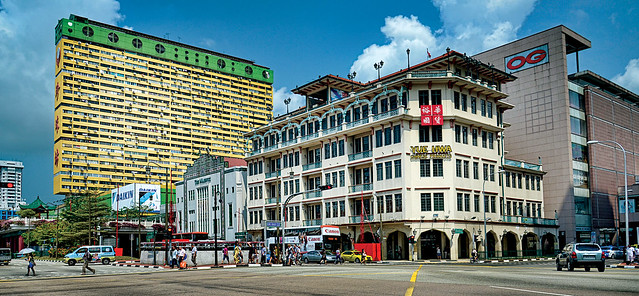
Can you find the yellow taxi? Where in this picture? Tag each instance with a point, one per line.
(354, 256)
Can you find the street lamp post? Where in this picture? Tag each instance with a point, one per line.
(483, 185)
(215, 222)
(408, 57)
(447, 58)
(378, 67)
(287, 101)
(166, 208)
(625, 181)
(351, 76)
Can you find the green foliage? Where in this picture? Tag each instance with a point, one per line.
(44, 232)
(83, 213)
(26, 213)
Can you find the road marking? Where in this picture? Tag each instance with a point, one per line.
(409, 291)
(529, 291)
(362, 273)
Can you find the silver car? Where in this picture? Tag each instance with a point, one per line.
(584, 255)
(613, 252)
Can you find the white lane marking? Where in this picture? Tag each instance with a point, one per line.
(529, 291)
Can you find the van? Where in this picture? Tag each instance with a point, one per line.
(104, 254)
(5, 256)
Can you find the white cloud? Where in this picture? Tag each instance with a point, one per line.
(27, 56)
(629, 79)
(467, 26)
(279, 108)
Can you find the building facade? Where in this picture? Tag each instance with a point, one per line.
(10, 198)
(212, 177)
(415, 153)
(554, 117)
(126, 100)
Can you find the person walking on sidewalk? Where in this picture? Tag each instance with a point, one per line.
(87, 258)
(31, 263)
(194, 254)
(225, 252)
(174, 254)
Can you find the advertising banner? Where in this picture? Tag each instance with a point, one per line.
(148, 195)
(526, 59)
(631, 206)
(337, 94)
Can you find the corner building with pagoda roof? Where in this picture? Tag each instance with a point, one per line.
(417, 153)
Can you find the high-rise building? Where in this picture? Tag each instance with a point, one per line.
(555, 115)
(125, 101)
(11, 198)
(415, 160)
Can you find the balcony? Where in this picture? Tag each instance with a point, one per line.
(273, 174)
(311, 136)
(311, 166)
(356, 156)
(271, 200)
(314, 194)
(360, 188)
(356, 123)
(358, 218)
(386, 114)
(289, 142)
(332, 130)
(255, 152)
(429, 74)
(530, 220)
(521, 164)
(314, 222)
(270, 148)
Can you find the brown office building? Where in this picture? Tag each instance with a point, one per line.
(555, 115)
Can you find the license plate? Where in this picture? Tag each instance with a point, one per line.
(589, 257)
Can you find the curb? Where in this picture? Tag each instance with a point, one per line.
(623, 266)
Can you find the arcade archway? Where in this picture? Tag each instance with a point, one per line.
(431, 240)
(464, 245)
(491, 241)
(548, 244)
(509, 245)
(529, 245)
(397, 246)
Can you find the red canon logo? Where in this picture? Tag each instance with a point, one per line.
(533, 57)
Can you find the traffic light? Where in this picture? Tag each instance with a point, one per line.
(325, 187)
(7, 185)
(411, 239)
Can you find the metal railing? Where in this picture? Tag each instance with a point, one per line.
(289, 142)
(310, 136)
(356, 123)
(358, 218)
(314, 194)
(360, 187)
(271, 200)
(311, 166)
(314, 222)
(360, 155)
(386, 114)
(331, 130)
(273, 174)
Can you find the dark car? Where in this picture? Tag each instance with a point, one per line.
(584, 255)
(316, 256)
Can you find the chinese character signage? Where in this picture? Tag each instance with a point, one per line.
(432, 114)
(434, 151)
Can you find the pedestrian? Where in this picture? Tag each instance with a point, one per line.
(251, 252)
(338, 257)
(363, 257)
(474, 254)
(31, 264)
(264, 254)
(439, 253)
(194, 254)
(237, 253)
(87, 258)
(630, 254)
(181, 257)
(276, 254)
(225, 253)
(174, 256)
(636, 254)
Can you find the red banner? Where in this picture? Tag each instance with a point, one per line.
(427, 120)
(437, 109)
(438, 120)
(426, 110)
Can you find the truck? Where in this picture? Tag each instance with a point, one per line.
(5, 256)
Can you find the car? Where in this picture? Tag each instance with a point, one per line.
(316, 256)
(586, 255)
(354, 256)
(613, 252)
(5, 256)
(104, 254)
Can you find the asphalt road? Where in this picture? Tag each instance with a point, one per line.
(347, 279)
(17, 269)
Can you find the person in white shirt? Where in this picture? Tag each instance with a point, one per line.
(182, 257)
(194, 254)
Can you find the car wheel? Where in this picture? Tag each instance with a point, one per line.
(106, 261)
(357, 260)
(306, 260)
(601, 268)
(587, 268)
(71, 262)
(558, 266)
(570, 266)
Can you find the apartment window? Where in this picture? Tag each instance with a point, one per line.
(341, 147)
(328, 209)
(285, 187)
(389, 169)
(514, 179)
(335, 207)
(467, 202)
(489, 109)
(483, 107)
(457, 134)
(460, 202)
(297, 186)
(423, 97)
(474, 137)
(473, 105)
(508, 212)
(507, 179)
(437, 133)
(527, 182)
(424, 134)
(476, 199)
(334, 149)
(490, 140)
(464, 102)
(387, 136)
(485, 172)
(380, 204)
(426, 202)
(380, 172)
(424, 167)
(334, 178)
(578, 126)
(398, 203)
(577, 100)
(342, 179)
(475, 170)
(389, 203)
(397, 134)
(484, 139)
(436, 97)
(297, 158)
(342, 208)
(378, 138)
(458, 168)
(464, 134)
(438, 201)
(493, 209)
(492, 173)
(230, 215)
(466, 169)
(327, 151)
(438, 167)
(456, 100)
(398, 168)
(519, 176)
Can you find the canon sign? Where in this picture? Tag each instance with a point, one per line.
(330, 230)
(527, 59)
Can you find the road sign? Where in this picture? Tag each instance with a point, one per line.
(273, 224)
(458, 230)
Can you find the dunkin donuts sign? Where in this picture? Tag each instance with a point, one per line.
(527, 59)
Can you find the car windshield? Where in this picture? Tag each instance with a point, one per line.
(587, 248)
(5, 252)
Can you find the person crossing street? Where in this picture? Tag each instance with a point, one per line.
(86, 259)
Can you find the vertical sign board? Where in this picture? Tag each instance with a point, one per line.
(526, 59)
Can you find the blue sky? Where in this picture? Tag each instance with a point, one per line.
(299, 40)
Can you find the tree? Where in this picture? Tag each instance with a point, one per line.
(83, 212)
(27, 213)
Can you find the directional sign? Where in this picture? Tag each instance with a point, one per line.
(273, 224)
(458, 230)
(240, 235)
